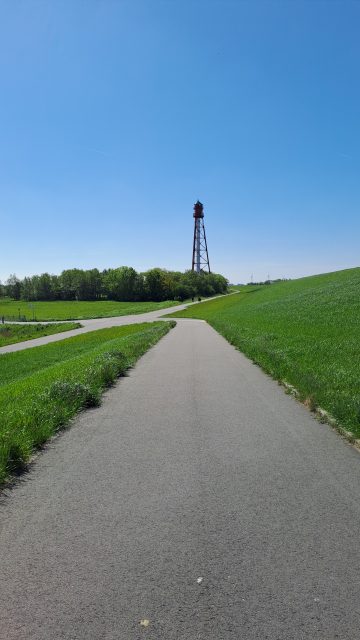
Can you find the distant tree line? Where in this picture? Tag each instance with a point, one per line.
(123, 283)
(266, 282)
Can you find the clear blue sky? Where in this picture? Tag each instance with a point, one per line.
(116, 116)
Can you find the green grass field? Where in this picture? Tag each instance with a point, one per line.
(304, 332)
(72, 310)
(43, 387)
(12, 333)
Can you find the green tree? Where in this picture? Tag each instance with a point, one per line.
(13, 286)
(156, 285)
(121, 284)
(44, 287)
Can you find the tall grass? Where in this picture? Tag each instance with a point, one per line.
(304, 332)
(12, 333)
(42, 388)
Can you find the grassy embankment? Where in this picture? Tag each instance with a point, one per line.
(305, 333)
(12, 333)
(73, 310)
(42, 388)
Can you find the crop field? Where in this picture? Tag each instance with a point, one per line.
(305, 333)
(42, 388)
(73, 310)
(12, 333)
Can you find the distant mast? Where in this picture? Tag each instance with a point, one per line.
(200, 258)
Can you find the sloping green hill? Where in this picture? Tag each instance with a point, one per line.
(304, 332)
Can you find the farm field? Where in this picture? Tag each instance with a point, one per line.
(12, 333)
(43, 387)
(305, 333)
(73, 310)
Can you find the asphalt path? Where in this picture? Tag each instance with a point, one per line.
(92, 324)
(198, 502)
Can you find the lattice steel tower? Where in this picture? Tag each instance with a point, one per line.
(200, 258)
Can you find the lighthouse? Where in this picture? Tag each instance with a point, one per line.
(200, 256)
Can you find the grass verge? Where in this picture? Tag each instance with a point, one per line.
(75, 310)
(42, 388)
(305, 333)
(12, 333)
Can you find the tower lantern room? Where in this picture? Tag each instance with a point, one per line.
(198, 210)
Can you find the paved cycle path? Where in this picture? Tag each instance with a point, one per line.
(92, 324)
(199, 499)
